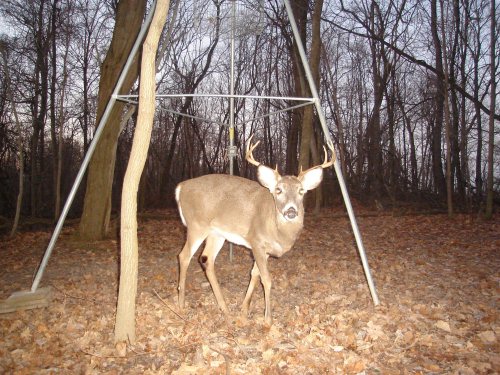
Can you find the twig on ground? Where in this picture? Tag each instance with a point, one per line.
(227, 359)
(69, 296)
(170, 308)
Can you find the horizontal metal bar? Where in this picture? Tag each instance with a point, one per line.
(275, 113)
(164, 96)
(193, 117)
(129, 101)
(222, 123)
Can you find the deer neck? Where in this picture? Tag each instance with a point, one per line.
(286, 233)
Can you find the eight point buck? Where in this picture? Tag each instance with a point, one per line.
(265, 217)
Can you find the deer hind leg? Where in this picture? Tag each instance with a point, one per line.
(192, 244)
(213, 244)
(255, 276)
(265, 277)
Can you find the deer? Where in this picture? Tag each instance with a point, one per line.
(265, 216)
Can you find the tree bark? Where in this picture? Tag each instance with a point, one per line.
(60, 119)
(478, 180)
(437, 165)
(340, 129)
(10, 97)
(306, 138)
(53, 125)
(39, 111)
(491, 119)
(380, 74)
(97, 204)
(299, 10)
(125, 314)
(447, 120)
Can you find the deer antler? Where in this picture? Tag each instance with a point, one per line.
(331, 161)
(249, 151)
(325, 164)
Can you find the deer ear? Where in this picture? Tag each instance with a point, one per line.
(311, 178)
(267, 177)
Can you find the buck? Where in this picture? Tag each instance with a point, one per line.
(266, 218)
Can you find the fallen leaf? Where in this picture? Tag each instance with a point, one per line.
(121, 348)
(445, 326)
(487, 337)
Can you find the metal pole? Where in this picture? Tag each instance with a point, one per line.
(232, 151)
(225, 96)
(338, 171)
(91, 150)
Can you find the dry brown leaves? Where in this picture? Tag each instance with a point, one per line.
(437, 278)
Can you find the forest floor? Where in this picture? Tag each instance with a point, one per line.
(437, 278)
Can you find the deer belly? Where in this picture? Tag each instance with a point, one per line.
(232, 237)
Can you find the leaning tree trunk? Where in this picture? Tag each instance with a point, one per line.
(125, 314)
(97, 204)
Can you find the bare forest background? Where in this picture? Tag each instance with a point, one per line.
(408, 89)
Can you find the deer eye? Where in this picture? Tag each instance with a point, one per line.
(278, 191)
(302, 191)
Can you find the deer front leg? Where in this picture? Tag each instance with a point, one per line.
(261, 260)
(255, 275)
(212, 247)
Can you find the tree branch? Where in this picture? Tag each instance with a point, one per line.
(412, 59)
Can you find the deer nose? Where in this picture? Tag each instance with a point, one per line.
(291, 213)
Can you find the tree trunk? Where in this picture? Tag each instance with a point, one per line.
(447, 120)
(299, 10)
(306, 139)
(437, 165)
(97, 204)
(479, 124)
(392, 157)
(10, 97)
(57, 208)
(125, 314)
(491, 122)
(39, 112)
(53, 125)
(340, 129)
(380, 72)
(411, 142)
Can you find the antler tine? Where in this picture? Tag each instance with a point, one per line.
(327, 163)
(332, 160)
(249, 151)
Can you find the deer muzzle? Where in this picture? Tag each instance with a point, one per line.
(291, 213)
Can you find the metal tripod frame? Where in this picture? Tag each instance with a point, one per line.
(115, 96)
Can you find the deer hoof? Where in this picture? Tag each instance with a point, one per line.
(268, 321)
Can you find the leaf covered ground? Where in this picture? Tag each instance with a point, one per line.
(438, 281)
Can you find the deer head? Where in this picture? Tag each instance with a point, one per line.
(288, 191)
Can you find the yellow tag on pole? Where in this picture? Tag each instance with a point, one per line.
(231, 133)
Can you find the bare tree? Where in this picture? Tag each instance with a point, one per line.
(10, 97)
(491, 119)
(447, 119)
(125, 314)
(97, 205)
